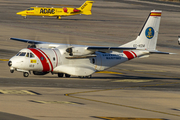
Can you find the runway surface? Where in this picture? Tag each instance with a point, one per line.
(140, 89)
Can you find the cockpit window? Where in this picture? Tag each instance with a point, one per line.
(22, 54)
(30, 9)
(31, 55)
(18, 53)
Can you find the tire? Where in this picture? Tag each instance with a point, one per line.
(67, 75)
(11, 71)
(25, 74)
(60, 74)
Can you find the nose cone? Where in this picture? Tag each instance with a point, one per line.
(21, 13)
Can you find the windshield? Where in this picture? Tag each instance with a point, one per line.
(18, 53)
(30, 9)
(31, 55)
(21, 54)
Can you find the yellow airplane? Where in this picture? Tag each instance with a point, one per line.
(57, 12)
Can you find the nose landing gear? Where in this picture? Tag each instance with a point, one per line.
(11, 71)
(25, 74)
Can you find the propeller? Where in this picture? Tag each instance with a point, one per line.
(33, 36)
(69, 46)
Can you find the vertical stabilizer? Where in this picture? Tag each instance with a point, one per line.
(148, 35)
(86, 7)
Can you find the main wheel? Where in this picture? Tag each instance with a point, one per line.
(25, 74)
(67, 75)
(60, 74)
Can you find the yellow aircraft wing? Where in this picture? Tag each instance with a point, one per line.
(57, 12)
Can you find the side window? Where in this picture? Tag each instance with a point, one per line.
(31, 55)
(27, 55)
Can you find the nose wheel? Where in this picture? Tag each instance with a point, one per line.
(25, 74)
(11, 71)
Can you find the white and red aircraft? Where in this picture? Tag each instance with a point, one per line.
(82, 61)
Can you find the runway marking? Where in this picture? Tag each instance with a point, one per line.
(109, 72)
(121, 105)
(143, 70)
(54, 102)
(22, 92)
(127, 118)
(147, 72)
(4, 59)
(132, 80)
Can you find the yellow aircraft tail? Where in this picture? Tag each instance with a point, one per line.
(86, 8)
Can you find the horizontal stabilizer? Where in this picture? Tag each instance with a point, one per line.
(159, 52)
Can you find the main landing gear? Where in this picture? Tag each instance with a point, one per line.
(85, 76)
(67, 75)
(62, 74)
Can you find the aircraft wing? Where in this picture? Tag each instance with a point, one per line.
(29, 41)
(94, 48)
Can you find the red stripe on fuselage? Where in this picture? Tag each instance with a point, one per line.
(56, 58)
(134, 53)
(47, 58)
(42, 58)
(129, 55)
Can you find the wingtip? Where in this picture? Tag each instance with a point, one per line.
(172, 53)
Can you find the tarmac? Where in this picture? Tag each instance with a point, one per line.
(140, 89)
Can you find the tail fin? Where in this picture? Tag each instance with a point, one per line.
(148, 35)
(86, 8)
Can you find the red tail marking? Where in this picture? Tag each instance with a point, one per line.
(129, 55)
(134, 53)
